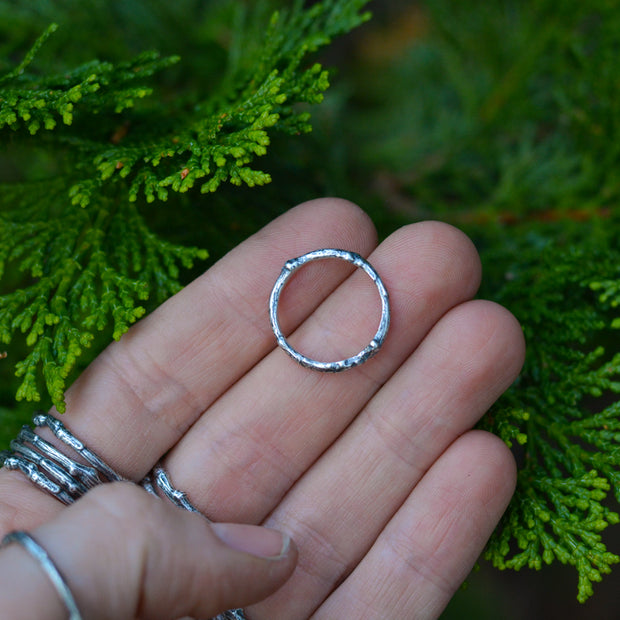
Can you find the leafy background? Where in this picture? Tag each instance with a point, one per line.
(497, 117)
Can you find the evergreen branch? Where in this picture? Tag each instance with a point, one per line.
(91, 267)
(572, 454)
(507, 423)
(34, 102)
(220, 139)
(29, 57)
(91, 259)
(559, 519)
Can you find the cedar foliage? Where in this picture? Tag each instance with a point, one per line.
(498, 117)
(502, 118)
(78, 234)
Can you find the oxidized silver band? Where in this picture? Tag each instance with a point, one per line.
(375, 344)
(67, 480)
(158, 478)
(40, 555)
(31, 471)
(50, 469)
(61, 432)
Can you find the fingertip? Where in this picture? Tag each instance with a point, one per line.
(491, 346)
(438, 255)
(347, 220)
(495, 467)
(505, 334)
(341, 207)
(458, 255)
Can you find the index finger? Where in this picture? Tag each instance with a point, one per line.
(142, 393)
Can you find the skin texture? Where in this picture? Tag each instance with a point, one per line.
(126, 554)
(374, 472)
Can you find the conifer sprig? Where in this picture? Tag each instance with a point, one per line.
(38, 102)
(89, 259)
(89, 268)
(218, 139)
(571, 455)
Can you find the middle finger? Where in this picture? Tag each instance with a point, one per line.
(246, 452)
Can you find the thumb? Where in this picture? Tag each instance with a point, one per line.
(127, 554)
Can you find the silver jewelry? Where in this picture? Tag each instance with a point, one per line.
(67, 481)
(375, 344)
(81, 476)
(51, 470)
(40, 555)
(31, 471)
(231, 614)
(61, 432)
(158, 477)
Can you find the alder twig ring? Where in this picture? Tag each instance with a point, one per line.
(373, 346)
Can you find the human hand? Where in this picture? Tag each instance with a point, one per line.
(374, 472)
(127, 554)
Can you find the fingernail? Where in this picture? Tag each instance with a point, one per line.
(260, 541)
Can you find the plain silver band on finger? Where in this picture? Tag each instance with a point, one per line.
(373, 346)
(40, 555)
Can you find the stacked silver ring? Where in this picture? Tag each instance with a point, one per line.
(158, 478)
(52, 470)
(67, 479)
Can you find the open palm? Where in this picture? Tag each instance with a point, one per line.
(374, 472)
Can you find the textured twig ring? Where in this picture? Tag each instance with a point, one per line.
(373, 346)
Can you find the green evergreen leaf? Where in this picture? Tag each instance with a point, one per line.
(33, 102)
(565, 396)
(104, 147)
(91, 268)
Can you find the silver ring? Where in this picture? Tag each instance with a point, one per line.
(50, 467)
(375, 344)
(51, 470)
(158, 477)
(33, 474)
(40, 555)
(67, 481)
(87, 476)
(60, 431)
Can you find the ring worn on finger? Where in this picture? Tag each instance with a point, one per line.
(36, 551)
(67, 480)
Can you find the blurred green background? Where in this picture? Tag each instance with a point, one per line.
(488, 115)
